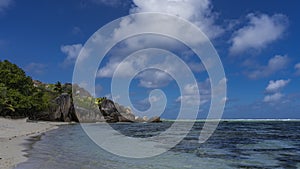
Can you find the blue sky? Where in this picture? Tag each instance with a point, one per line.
(257, 42)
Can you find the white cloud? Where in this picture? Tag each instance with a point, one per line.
(151, 99)
(274, 90)
(154, 79)
(189, 99)
(150, 78)
(190, 93)
(273, 97)
(275, 64)
(125, 68)
(197, 67)
(297, 67)
(72, 52)
(35, 68)
(155, 98)
(159, 23)
(260, 31)
(4, 4)
(190, 89)
(108, 70)
(275, 86)
(198, 12)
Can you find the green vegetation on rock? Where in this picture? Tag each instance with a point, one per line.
(20, 96)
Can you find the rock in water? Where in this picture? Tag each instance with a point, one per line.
(145, 118)
(138, 119)
(126, 117)
(113, 112)
(109, 111)
(155, 119)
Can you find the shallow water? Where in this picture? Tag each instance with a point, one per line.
(235, 144)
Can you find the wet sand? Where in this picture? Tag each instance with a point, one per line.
(13, 133)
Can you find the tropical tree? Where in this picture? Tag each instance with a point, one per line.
(5, 106)
(18, 96)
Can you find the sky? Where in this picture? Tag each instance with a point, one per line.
(257, 42)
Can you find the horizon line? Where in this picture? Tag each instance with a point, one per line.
(224, 120)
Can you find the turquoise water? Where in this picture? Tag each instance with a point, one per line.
(235, 144)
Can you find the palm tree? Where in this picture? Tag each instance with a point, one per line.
(58, 87)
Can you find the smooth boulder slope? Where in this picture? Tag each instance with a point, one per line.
(61, 109)
(113, 112)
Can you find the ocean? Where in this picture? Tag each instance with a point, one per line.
(264, 144)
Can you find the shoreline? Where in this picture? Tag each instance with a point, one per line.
(232, 120)
(14, 134)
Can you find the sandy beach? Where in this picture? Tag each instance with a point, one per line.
(13, 133)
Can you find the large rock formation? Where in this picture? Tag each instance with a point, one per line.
(61, 109)
(89, 115)
(113, 113)
(126, 114)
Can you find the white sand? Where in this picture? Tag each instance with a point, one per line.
(12, 134)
